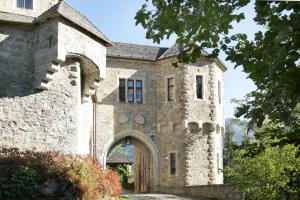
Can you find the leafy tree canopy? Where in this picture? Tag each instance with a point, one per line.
(271, 60)
(272, 174)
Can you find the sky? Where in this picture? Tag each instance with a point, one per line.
(115, 18)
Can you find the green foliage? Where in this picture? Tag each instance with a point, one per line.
(271, 60)
(271, 174)
(124, 172)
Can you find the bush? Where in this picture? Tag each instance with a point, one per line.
(272, 174)
(51, 175)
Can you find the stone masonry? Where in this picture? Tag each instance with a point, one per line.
(59, 91)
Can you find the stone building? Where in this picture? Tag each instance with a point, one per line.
(66, 87)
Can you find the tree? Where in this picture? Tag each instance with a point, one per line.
(234, 135)
(271, 60)
(272, 174)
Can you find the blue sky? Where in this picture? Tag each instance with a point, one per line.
(115, 18)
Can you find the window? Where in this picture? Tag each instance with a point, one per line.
(26, 4)
(139, 91)
(219, 91)
(122, 88)
(171, 89)
(199, 87)
(130, 91)
(173, 164)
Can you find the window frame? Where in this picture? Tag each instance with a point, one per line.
(203, 87)
(139, 88)
(131, 88)
(24, 3)
(170, 163)
(134, 91)
(119, 95)
(167, 89)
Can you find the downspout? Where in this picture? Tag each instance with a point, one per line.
(94, 98)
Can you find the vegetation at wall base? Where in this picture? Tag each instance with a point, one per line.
(51, 175)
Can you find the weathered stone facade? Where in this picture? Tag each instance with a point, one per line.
(53, 60)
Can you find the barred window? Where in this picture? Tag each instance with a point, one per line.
(139, 91)
(199, 87)
(122, 90)
(171, 89)
(26, 4)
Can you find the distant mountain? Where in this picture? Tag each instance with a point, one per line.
(239, 128)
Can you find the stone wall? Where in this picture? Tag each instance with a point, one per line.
(16, 60)
(218, 192)
(170, 123)
(110, 110)
(42, 103)
(43, 120)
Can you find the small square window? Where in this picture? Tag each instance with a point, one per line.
(25, 4)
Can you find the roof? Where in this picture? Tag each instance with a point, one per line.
(59, 9)
(116, 157)
(136, 51)
(66, 11)
(148, 53)
(10, 17)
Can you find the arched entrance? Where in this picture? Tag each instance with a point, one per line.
(146, 159)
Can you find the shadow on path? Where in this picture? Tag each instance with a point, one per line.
(159, 197)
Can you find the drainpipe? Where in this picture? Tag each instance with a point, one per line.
(94, 98)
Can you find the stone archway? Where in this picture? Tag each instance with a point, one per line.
(143, 139)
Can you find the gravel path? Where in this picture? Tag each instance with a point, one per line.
(157, 197)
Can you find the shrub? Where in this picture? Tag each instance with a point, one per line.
(272, 174)
(51, 175)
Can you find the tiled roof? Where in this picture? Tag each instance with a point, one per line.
(10, 17)
(144, 52)
(135, 51)
(117, 157)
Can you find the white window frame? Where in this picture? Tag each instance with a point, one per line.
(134, 89)
(169, 163)
(167, 89)
(203, 86)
